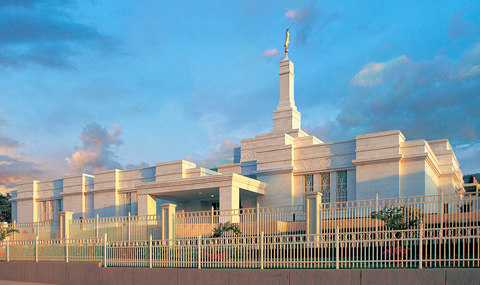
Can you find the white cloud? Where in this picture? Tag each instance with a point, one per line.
(465, 153)
(370, 75)
(469, 65)
(425, 99)
(373, 73)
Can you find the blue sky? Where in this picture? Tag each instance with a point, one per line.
(101, 84)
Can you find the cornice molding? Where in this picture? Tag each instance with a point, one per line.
(314, 171)
(357, 162)
(274, 171)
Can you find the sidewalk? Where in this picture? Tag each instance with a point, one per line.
(9, 282)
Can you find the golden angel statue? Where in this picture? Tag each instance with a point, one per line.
(287, 39)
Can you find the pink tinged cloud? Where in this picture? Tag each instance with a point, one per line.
(222, 155)
(96, 152)
(14, 168)
(270, 52)
(291, 14)
(7, 144)
(300, 14)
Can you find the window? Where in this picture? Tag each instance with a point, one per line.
(325, 187)
(45, 210)
(49, 210)
(128, 203)
(131, 203)
(42, 211)
(308, 185)
(341, 186)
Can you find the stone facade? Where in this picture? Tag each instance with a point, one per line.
(274, 169)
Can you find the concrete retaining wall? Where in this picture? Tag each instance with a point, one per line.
(91, 273)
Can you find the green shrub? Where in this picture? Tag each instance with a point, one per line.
(5, 232)
(222, 229)
(399, 217)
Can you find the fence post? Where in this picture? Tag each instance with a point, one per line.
(337, 248)
(7, 250)
(36, 249)
(65, 221)
(96, 226)
(66, 249)
(199, 242)
(128, 226)
(258, 218)
(105, 251)
(150, 251)
(14, 225)
(420, 247)
(376, 210)
(168, 227)
(442, 210)
(313, 207)
(260, 250)
(376, 220)
(212, 221)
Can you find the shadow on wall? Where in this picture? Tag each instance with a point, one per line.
(163, 201)
(57, 187)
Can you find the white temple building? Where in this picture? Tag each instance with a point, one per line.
(273, 169)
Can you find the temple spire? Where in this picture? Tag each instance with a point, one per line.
(286, 117)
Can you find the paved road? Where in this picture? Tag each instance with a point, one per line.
(8, 282)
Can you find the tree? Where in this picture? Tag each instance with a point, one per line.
(224, 228)
(5, 232)
(5, 208)
(5, 215)
(399, 217)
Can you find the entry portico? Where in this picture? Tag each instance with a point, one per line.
(227, 189)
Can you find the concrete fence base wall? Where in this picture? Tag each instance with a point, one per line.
(91, 273)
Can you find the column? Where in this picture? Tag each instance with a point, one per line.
(316, 182)
(168, 226)
(333, 186)
(147, 205)
(229, 204)
(65, 221)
